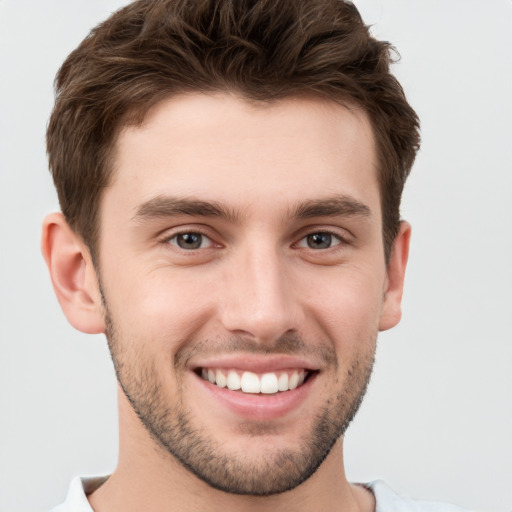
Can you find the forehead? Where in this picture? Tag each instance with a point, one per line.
(224, 148)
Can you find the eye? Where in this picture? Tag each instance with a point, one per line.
(190, 241)
(320, 240)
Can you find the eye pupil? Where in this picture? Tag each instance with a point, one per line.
(319, 241)
(189, 240)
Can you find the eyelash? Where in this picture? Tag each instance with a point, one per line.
(168, 239)
(340, 240)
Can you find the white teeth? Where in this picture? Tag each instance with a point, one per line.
(250, 383)
(294, 380)
(282, 383)
(268, 383)
(233, 381)
(221, 379)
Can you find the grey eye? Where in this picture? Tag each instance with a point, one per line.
(320, 240)
(190, 241)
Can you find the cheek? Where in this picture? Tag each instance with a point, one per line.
(161, 308)
(349, 308)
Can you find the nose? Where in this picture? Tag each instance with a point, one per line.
(260, 299)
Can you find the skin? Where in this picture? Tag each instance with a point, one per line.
(254, 282)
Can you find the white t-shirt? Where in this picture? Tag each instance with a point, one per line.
(386, 499)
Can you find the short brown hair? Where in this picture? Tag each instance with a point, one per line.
(261, 49)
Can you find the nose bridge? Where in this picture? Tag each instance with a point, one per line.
(260, 301)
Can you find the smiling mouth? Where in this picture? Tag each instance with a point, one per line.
(248, 382)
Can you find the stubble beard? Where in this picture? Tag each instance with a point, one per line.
(170, 424)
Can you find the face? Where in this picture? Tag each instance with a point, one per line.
(244, 282)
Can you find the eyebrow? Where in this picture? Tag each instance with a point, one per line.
(164, 206)
(337, 206)
(168, 206)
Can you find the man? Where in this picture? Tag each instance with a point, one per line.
(230, 176)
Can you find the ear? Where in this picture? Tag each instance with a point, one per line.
(392, 305)
(73, 275)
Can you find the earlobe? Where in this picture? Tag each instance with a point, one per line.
(73, 275)
(392, 305)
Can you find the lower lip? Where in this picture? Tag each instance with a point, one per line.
(260, 406)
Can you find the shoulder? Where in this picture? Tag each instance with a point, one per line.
(388, 501)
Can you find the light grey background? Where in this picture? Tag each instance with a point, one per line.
(437, 422)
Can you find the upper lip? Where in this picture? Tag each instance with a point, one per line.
(254, 363)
